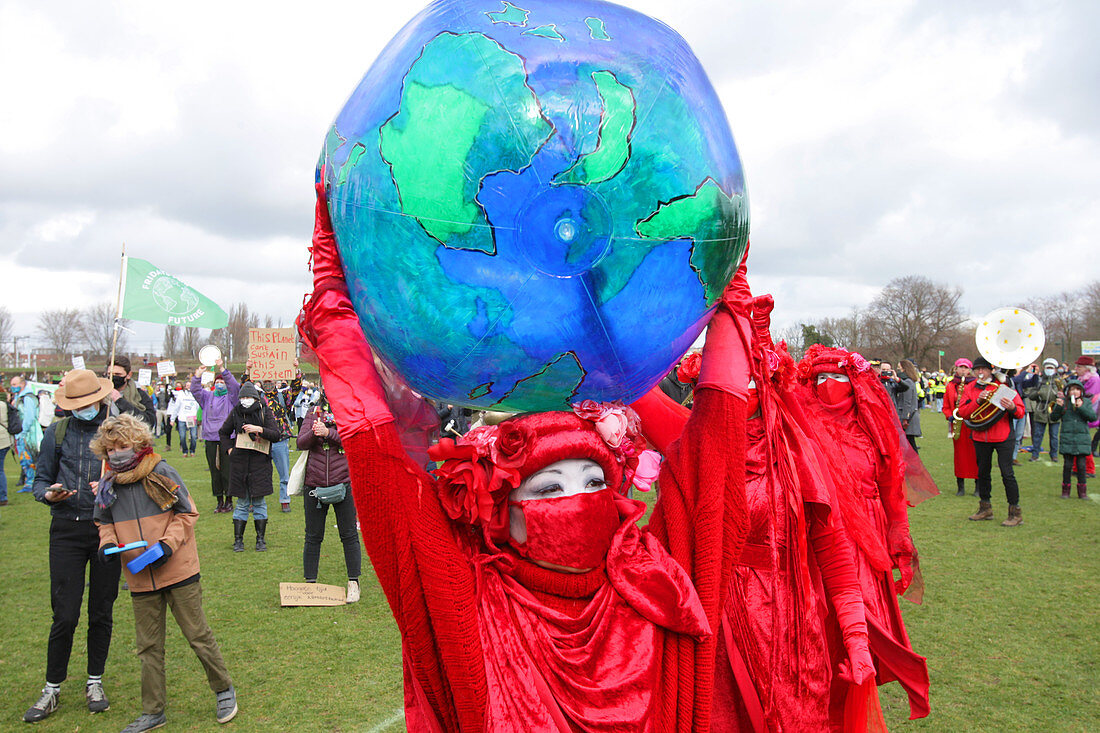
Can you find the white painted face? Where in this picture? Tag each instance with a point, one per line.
(832, 375)
(564, 478)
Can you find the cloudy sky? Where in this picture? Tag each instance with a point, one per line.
(960, 141)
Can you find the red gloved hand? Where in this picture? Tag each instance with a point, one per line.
(859, 666)
(902, 552)
(726, 363)
(326, 257)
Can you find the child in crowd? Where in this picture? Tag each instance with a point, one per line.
(1075, 411)
(141, 497)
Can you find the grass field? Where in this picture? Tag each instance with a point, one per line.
(1009, 621)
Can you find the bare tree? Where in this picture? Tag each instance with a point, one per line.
(7, 325)
(171, 345)
(915, 316)
(60, 328)
(97, 324)
(191, 343)
(236, 338)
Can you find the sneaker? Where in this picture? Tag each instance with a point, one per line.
(286, 506)
(225, 705)
(45, 706)
(353, 592)
(145, 722)
(97, 698)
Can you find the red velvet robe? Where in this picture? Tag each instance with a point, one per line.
(966, 462)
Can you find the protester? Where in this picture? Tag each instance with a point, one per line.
(280, 398)
(11, 424)
(302, 404)
(909, 404)
(126, 394)
(183, 412)
(216, 403)
(162, 396)
(522, 539)
(1076, 412)
(1085, 367)
(1042, 396)
(327, 466)
(67, 471)
(965, 460)
(142, 498)
(997, 438)
(247, 434)
(30, 437)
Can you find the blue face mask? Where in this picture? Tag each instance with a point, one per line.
(87, 413)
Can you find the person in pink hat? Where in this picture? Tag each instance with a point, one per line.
(966, 462)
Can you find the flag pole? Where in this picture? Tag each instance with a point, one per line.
(118, 308)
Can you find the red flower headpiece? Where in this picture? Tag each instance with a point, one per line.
(687, 371)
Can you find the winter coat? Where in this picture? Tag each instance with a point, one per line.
(178, 403)
(134, 516)
(6, 438)
(904, 395)
(249, 470)
(1075, 439)
(215, 408)
(137, 402)
(1092, 390)
(74, 466)
(326, 464)
(1041, 397)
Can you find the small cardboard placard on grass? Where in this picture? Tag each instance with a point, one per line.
(271, 353)
(310, 594)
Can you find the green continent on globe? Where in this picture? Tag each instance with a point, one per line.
(613, 141)
(465, 112)
(553, 387)
(509, 14)
(546, 31)
(596, 29)
(714, 223)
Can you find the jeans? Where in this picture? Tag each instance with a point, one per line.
(25, 461)
(315, 534)
(184, 431)
(1037, 430)
(1005, 455)
(3, 476)
(219, 477)
(256, 504)
(280, 456)
(149, 617)
(73, 546)
(1018, 427)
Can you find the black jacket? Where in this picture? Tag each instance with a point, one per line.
(249, 470)
(74, 466)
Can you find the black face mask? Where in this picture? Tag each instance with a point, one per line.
(118, 380)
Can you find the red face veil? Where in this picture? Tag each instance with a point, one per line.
(834, 391)
(571, 531)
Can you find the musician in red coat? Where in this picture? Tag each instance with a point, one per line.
(966, 465)
(997, 438)
(526, 596)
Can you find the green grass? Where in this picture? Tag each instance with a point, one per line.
(1008, 621)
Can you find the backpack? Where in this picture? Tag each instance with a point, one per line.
(15, 420)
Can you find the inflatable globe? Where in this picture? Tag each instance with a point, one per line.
(536, 203)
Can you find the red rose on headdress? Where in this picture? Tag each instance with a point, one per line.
(688, 370)
(512, 441)
(589, 410)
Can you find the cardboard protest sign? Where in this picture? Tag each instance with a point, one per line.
(145, 377)
(166, 368)
(271, 353)
(78, 361)
(310, 594)
(206, 378)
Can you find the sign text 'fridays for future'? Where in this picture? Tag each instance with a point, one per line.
(271, 353)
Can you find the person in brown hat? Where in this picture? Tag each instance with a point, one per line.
(67, 472)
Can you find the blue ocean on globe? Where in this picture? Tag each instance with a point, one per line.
(536, 203)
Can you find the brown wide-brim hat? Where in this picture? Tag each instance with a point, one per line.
(82, 388)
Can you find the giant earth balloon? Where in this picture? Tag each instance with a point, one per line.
(536, 203)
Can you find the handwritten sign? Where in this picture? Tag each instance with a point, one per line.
(78, 361)
(145, 377)
(166, 368)
(271, 353)
(310, 594)
(189, 412)
(206, 378)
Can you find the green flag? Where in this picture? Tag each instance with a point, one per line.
(152, 295)
(941, 353)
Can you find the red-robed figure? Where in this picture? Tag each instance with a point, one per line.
(966, 464)
(526, 595)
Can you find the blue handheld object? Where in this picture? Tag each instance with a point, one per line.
(143, 560)
(131, 546)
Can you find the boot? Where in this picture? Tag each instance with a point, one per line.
(1082, 491)
(985, 511)
(1015, 518)
(1065, 491)
(224, 501)
(238, 534)
(961, 487)
(261, 528)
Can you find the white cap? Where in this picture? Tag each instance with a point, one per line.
(1051, 362)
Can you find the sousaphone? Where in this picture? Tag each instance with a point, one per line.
(1008, 338)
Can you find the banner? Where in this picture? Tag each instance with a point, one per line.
(151, 295)
(271, 353)
(1090, 348)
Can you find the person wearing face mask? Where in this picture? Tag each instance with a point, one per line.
(526, 596)
(1042, 395)
(1075, 411)
(247, 435)
(216, 404)
(1085, 368)
(126, 396)
(997, 439)
(280, 398)
(67, 471)
(142, 498)
(183, 412)
(859, 418)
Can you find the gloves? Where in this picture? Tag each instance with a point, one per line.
(902, 552)
(164, 558)
(105, 558)
(859, 667)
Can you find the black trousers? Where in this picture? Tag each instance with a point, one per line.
(219, 477)
(1006, 451)
(73, 546)
(315, 534)
(1073, 464)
